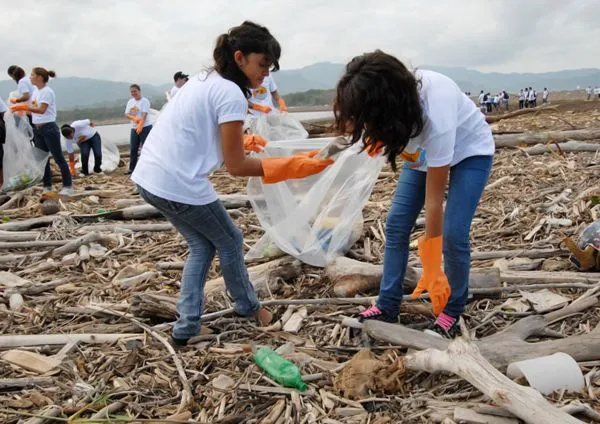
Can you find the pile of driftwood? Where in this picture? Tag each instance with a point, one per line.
(89, 294)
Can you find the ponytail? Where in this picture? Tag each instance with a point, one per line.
(42, 72)
(247, 38)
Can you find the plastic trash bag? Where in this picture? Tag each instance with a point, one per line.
(317, 218)
(110, 156)
(276, 126)
(23, 164)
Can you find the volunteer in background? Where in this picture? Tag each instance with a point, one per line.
(447, 144)
(545, 95)
(200, 129)
(263, 98)
(180, 79)
(24, 87)
(137, 112)
(521, 99)
(45, 131)
(87, 138)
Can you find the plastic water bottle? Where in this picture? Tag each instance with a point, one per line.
(281, 370)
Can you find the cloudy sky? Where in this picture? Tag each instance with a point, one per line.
(148, 40)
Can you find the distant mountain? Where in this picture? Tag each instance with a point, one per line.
(77, 92)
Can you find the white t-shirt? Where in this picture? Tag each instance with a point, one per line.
(531, 95)
(521, 96)
(3, 107)
(82, 128)
(588, 90)
(173, 91)
(454, 129)
(596, 90)
(25, 86)
(184, 146)
(545, 95)
(480, 98)
(45, 95)
(262, 95)
(137, 108)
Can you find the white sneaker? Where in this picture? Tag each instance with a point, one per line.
(46, 189)
(66, 191)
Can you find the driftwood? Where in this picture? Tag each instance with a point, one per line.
(28, 224)
(13, 202)
(569, 146)
(24, 383)
(351, 277)
(522, 253)
(18, 340)
(506, 346)
(125, 228)
(514, 140)
(7, 245)
(490, 119)
(264, 277)
(9, 236)
(465, 360)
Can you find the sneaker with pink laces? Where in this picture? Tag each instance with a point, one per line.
(375, 313)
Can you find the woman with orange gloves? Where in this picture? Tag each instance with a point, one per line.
(263, 97)
(200, 129)
(45, 131)
(137, 112)
(425, 118)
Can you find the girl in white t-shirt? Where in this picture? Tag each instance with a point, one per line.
(137, 112)
(45, 130)
(263, 98)
(425, 118)
(198, 130)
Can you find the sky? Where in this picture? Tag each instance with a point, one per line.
(148, 40)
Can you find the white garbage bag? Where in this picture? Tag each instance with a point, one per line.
(23, 164)
(276, 126)
(110, 157)
(318, 218)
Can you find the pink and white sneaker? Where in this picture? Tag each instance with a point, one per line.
(375, 313)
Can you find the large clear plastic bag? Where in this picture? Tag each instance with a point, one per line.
(318, 218)
(23, 164)
(276, 126)
(110, 156)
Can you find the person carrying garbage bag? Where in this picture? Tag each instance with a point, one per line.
(200, 129)
(45, 131)
(424, 117)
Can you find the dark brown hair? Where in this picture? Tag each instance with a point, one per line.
(247, 38)
(45, 74)
(377, 99)
(135, 86)
(16, 72)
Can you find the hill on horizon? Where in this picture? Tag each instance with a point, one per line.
(78, 92)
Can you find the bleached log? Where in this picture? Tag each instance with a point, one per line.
(570, 146)
(11, 245)
(465, 360)
(264, 277)
(351, 277)
(506, 346)
(24, 383)
(126, 228)
(513, 140)
(10, 236)
(10, 341)
(490, 119)
(28, 224)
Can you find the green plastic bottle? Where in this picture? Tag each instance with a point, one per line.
(283, 371)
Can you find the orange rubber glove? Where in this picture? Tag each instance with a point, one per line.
(303, 165)
(19, 107)
(140, 126)
(411, 157)
(254, 143)
(261, 108)
(72, 167)
(375, 149)
(433, 280)
(282, 105)
(133, 118)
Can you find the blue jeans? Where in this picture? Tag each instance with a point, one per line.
(95, 144)
(47, 138)
(467, 181)
(206, 228)
(136, 142)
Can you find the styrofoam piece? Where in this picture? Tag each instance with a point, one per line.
(549, 373)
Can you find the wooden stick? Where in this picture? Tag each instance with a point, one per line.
(28, 224)
(490, 119)
(120, 228)
(17, 340)
(513, 140)
(48, 413)
(9, 236)
(7, 245)
(24, 383)
(570, 146)
(14, 201)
